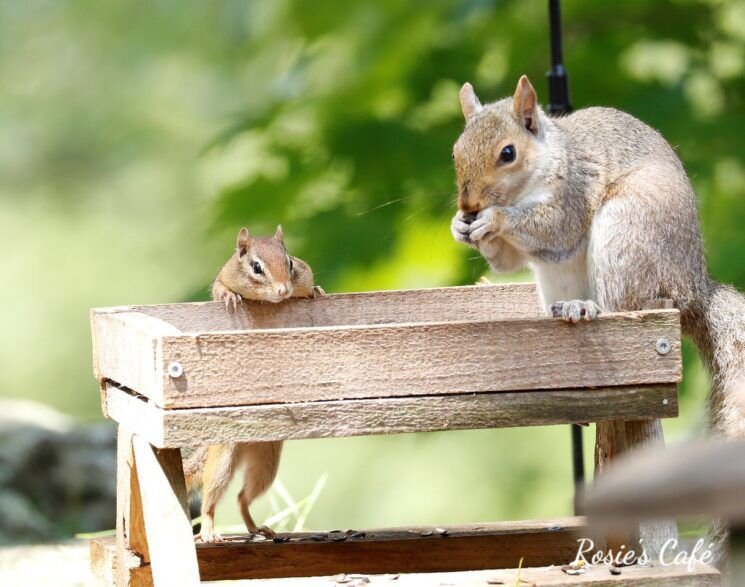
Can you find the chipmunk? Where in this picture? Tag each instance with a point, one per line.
(600, 207)
(261, 269)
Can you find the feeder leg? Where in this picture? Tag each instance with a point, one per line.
(132, 554)
(613, 439)
(173, 555)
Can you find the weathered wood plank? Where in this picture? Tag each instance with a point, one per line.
(107, 564)
(126, 349)
(491, 302)
(131, 541)
(396, 343)
(196, 426)
(596, 576)
(293, 365)
(160, 474)
(435, 559)
(414, 549)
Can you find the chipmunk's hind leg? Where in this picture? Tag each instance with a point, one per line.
(262, 463)
(216, 475)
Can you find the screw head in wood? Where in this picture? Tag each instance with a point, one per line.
(663, 346)
(175, 369)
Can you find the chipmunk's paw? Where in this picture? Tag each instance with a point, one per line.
(460, 227)
(231, 300)
(209, 537)
(575, 310)
(318, 291)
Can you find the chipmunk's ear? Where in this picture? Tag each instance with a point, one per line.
(243, 241)
(280, 234)
(525, 104)
(468, 101)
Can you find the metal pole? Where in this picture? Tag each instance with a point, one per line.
(558, 82)
(560, 104)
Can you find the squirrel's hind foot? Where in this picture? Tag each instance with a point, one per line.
(575, 310)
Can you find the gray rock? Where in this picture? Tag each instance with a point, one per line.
(57, 478)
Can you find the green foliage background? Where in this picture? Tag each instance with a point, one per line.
(137, 137)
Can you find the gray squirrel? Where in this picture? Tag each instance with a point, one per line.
(600, 207)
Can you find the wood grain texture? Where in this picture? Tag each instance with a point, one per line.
(293, 365)
(420, 559)
(160, 474)
(380, 344)
(465, 547)
(131, 540)
(126, 349)
(197, 426)
(492, 302)
(597, 576)
(102, 550)
(106, 566)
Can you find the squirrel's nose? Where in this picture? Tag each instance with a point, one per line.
(468, 207)
(467, 204)
(282, 289)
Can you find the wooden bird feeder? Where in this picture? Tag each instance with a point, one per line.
(388, 362)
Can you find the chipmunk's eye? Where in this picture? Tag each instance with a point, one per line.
(290, 260)
(256, 266)
(508, 154)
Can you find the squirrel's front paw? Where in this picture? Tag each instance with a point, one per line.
(575, 310)
(318, 291)
(461, 228)
(487, 225)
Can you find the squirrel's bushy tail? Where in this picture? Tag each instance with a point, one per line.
(717, 325)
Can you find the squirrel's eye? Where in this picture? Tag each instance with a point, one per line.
(452, 156)
(256, 266)
(290, 259)
(508, 154)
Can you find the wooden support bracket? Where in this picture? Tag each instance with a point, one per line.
(153, 528)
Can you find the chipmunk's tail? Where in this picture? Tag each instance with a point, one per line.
(717, 324)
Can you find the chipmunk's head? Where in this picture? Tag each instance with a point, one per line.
(265, 267)
(498, 157)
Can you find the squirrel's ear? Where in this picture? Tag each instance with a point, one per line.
(468, 101)
(280, 234)
(243, 241)
(525, 104)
